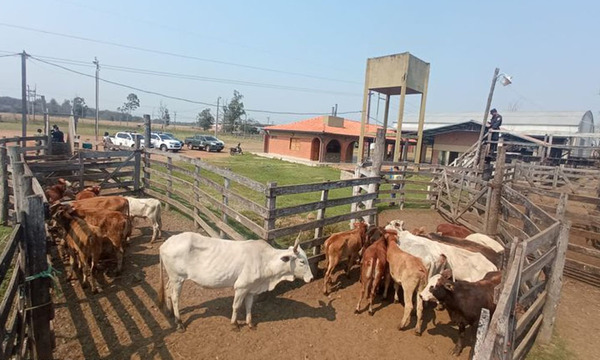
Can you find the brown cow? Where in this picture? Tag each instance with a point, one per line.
(115, 226)
(82, 244)
(114, 203)
(464, 300)
(56, 192)
(372, 270)
(342, 244)
(410, 272)
(88, 192)
(453, 230)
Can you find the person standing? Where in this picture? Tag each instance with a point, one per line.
(494, 124)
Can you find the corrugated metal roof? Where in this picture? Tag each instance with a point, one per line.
(545, 121)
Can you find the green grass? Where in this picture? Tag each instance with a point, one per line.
(557, 350)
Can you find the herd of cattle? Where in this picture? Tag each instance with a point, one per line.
(453, 267)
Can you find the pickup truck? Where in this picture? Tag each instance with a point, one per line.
(127, 139)
(204, 142)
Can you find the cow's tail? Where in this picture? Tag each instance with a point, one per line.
(161, 289)
(369, 276)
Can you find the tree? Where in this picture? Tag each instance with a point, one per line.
(53, 107)
(79, 107)
(232, 112)
(132, 103)
(164, 114)
(205, 119)
(66, 107)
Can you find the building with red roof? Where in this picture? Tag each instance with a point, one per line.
(322, 138)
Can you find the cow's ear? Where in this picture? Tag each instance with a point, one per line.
(449, 286)
(285, 258)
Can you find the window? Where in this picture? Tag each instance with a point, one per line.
(294, 144)
(122, 136)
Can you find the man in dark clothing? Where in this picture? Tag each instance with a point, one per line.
(494, 124)
(57, 135)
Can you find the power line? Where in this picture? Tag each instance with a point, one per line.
(161, 52)
(193, 77)
(174, 97)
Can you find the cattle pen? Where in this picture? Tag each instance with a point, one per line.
(227, 205)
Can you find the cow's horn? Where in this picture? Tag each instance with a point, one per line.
(297, 242)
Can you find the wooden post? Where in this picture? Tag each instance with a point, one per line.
(485, 116)
(196, 194)
(482, 328)
(491, 228)
(3, 184)
(377, 159)
(169, 182)
(555, 281)
(137, 165)
(81, 170)
(39, 301)
(17, 170)
(321, 216)
(270, 204)
(555, 178)
(225, 203)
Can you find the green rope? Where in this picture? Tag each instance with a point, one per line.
(48, 273)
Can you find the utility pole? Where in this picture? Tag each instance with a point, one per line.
(217, 118)
(174, 120)
(97, 63)
(23, 96)
(478, 161)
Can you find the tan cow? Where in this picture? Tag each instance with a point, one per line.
(343, 244)
(410, 272)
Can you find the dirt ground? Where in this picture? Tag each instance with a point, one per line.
(294, 321)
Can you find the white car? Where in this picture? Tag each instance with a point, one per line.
(127, 139)
(164, 142)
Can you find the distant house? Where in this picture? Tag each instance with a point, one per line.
(322, 139)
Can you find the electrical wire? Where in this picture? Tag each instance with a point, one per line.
(175, 97)
(167, 53)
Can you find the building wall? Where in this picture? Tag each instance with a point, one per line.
(301, 146)
(459, 141)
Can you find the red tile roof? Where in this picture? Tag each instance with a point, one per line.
(317, 125)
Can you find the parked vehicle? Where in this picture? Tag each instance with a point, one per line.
(126, 138)
(173, 137)
(164, 142)
(204, 142)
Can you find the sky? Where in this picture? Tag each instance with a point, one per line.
(302, 58)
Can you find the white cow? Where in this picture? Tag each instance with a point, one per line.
(465, 265)
(486, 241)
(148, 209)
(250, 267)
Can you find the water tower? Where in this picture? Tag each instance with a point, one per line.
(398, 74)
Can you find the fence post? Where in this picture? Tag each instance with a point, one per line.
(555, 281)
(270, 204)
(18, 169)
(169, 182)
(225, 203)
(491, 227)
(3, 184)
(321, 216)
(147, 129)
(195, 190)
(39, 300)
(136, 166)
(81, 170)
(377, 158)
(555, 178)
(482, 328)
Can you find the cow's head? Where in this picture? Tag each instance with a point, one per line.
(61, 213)
(397, 225)
(64, 182)
(298, 262)
(438, 286)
